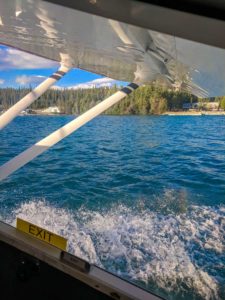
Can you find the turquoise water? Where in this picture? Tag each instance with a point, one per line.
(143, 197)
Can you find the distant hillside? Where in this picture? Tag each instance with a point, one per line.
(145, 100)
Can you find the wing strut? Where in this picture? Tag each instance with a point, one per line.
(58, 135)
(21, 105)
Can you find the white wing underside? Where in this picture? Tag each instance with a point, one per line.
(111, 48)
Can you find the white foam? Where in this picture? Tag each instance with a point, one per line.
(142, 245)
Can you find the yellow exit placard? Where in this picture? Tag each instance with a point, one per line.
(41, 234)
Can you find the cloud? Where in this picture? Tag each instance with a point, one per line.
(16, 59)
(57, 87)
(2, 81)
(25, 80)
(96, 83)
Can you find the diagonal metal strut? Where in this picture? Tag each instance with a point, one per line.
(13, 111)
(58, 135)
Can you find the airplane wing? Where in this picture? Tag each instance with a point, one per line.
(114, 48)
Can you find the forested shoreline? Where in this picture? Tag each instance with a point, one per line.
(145, 100)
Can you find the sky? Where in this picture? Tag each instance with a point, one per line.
(21, 69)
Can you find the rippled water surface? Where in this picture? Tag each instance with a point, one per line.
(143, 197)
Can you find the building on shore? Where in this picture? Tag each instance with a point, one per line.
(212, 105)
(209, 106)
(52, 110)
(188, 106)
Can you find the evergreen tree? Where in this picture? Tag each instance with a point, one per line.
(143, 101)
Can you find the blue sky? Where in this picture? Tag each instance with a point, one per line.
(22, 69)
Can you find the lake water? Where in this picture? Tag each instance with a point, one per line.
(143, 197)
